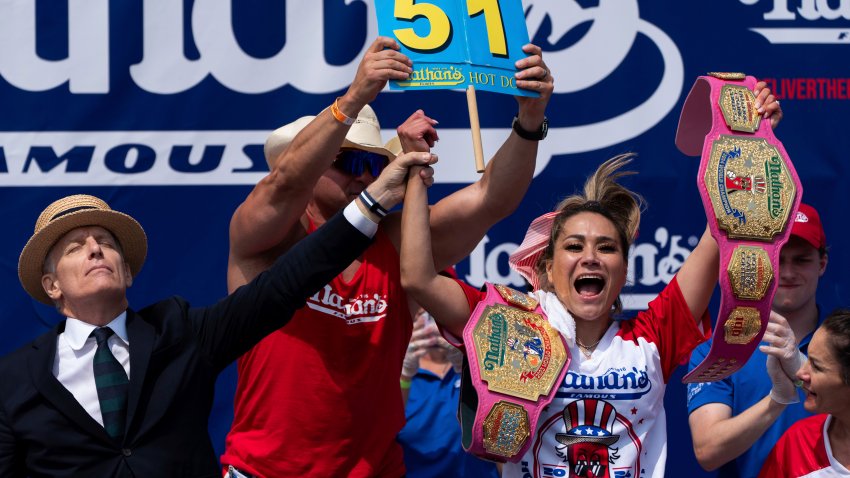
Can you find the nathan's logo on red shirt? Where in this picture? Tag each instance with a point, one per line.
(361, 309)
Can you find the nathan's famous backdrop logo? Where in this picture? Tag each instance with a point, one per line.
(235, 157)
(190, 156)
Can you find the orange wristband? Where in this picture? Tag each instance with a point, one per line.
(339, 115)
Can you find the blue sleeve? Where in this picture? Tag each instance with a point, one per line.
(701, 393)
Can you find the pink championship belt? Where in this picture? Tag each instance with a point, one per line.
(516, 359)
(747, 182)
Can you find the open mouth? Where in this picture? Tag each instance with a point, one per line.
(589, 285)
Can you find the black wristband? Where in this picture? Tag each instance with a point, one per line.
(371, 204)
(537, 135)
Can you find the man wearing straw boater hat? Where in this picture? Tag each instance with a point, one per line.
(117, 392)
(322, 398)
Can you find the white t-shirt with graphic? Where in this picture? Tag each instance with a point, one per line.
(607, 419)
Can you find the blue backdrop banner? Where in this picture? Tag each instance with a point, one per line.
(161, 108)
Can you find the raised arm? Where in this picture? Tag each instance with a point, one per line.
(441, 296)
(460, 220)
(268, 216)
(235, 324)
(698, 275)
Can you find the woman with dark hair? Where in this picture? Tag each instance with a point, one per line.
(607, 417)
(819, 446)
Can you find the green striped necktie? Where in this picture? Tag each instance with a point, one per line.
(112, 385)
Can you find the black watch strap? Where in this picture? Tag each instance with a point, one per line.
(373, 205)
(536, 135)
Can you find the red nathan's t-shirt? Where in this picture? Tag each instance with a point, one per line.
(805, 450)
(320, 396)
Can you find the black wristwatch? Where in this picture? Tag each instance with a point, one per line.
(531, 135)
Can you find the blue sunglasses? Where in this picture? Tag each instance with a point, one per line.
(355, 161)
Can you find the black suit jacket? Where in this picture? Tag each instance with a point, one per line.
(176, 353)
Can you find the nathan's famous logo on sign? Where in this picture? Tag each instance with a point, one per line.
(174, 54)
(815, 21)
(432, 76)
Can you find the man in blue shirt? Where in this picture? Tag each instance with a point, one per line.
(736, 421)
(431, 438)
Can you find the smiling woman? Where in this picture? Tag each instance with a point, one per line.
(584, 262)
(820, 445)
(608, 411)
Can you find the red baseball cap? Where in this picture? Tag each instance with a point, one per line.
(807, 226)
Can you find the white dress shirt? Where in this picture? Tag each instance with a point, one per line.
(75, 354)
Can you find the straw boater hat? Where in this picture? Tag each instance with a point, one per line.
(365, 134)
(70, 213)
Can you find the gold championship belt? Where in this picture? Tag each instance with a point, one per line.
(750, 193)
(515, 361)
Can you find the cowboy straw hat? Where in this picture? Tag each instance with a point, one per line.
(364, 134)
(67, 214)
